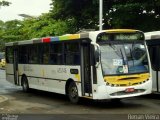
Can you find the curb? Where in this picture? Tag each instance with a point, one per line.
(3, 100)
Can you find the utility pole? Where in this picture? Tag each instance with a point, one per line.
(100, 14)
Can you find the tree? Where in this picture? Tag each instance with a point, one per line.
(30, 28)
(1, 34)
(4, 3)
(137, 14)
(12, 31)
(43, 26)
(9, 31)
(81, 13)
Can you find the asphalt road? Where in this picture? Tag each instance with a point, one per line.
(46, 105)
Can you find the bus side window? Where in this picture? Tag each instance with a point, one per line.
(23, 55)
(33, 54)
(9, 54)
(56, 56)
(72, 53)
(45, 54)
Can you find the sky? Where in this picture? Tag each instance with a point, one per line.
(29, 7)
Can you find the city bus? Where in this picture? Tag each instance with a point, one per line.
(98, 65)
(153, 43)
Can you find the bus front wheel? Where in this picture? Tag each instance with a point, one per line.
(25, 85)
(73, 93)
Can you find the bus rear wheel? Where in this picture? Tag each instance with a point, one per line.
(25, 85)
(73, 93)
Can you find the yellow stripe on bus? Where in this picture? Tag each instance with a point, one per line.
(77, 76)
(74, 36)
(121, 31)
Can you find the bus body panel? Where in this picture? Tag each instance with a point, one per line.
(51, 78)
(10, 73)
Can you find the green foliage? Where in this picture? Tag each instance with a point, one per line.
(83, 14)
(1, 34)
(12, 31)
(1, 28)
(43, 26)
(4, 3)
(136, 14)
(30, 28)
(9, 31)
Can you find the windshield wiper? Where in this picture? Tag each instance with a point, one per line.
(112, 45)
(132, 56)
(131, 52)
(122, 56)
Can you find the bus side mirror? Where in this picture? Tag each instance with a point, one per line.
(97, 55)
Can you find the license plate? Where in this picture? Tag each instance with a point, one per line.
(129, 90)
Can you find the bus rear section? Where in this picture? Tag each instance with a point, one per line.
(153, 43)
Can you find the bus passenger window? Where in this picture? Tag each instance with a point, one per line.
(9, 53)
(56, 56)
(33, 54)
(45, 54)
(72, 54)
(23, 55)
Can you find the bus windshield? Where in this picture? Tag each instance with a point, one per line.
(126, 58)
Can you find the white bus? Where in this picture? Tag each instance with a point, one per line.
(108, 64)
(153, 42)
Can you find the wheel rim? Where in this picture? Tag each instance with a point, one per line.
(24, 85)
(73, 93)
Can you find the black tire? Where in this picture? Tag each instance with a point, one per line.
(116, 100)
(73, 93)
(25, 85)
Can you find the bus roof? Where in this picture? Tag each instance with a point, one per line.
(50, 39)
(121, 30)
(152, 35)
(91, 34)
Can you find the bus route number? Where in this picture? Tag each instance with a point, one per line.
(61, 70)
(117, 62)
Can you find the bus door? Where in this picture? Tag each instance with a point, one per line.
(86, 70)
(15, 66)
